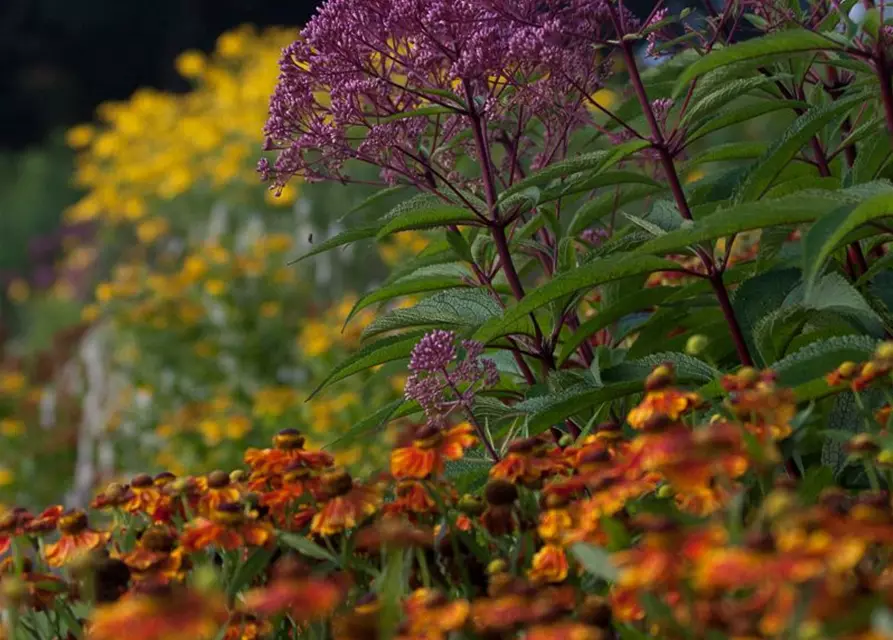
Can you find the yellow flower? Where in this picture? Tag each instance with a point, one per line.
(7, 477)
(18, 290)
(270, 309)
(237, 427)
(12, 382)
(190, 64)
(215, 287)
(604, 97)
(286, 197)
(79, 136)
(211, 431)
(11, 427)
(90, 313)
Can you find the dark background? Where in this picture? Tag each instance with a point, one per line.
(60, 58)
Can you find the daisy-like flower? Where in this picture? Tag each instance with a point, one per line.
(296, 593)
(662, 404)
(144, 495)
(46, 521)
(76, 539)
(429, 614)
(216, 489)
(288, 447)
(156, 556)
(229, 527)
(430, 449)
(549, 565)
(345, 503)
(529, 461)
(158, 611)
(12, 524)
(564, 630)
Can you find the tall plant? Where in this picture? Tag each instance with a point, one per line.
(600, 214)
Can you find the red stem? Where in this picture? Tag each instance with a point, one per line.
(666, 159)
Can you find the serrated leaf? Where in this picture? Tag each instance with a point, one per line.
(819, 358)
(385, 350)
(457, 309)
(823, 237)
(706, 104)
(688, 368)
(738, 115)
(553, 408)
(600, 206)
(769, 166)
(595, 560)
(804, 207)
(405, 287)
(375, 198)
(369, 425)
(780, 42)
(599, 181)
(611, 314)
(345, 237)
(583, 277)
(429, 218)
(592, 161)
(724, 152)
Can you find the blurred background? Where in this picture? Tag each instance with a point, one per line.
(147, 303)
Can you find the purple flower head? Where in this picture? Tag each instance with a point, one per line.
(433, 352)
(347, 85)
(441, 382)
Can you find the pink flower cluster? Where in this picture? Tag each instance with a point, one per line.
(393, 82)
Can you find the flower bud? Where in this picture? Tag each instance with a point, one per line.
(500, 493)
(696, 345)
(884, 351)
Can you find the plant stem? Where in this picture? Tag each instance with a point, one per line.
(482, 433)
(669, 168)
(883, 72)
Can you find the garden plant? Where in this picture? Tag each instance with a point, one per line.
(643, 345)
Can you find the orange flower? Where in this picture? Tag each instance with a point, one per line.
(662, 406)
(529, 461)
(567, 630)
(430, 615)
(411, 498)
(156, 556)
(13, 523)
(430, 449)
(228, 528)
(159, 612)
(297, 480)
(46, 521)
(145, 496)
(346, 504)
(549, 565)
(288, 447)
(216, 489)
(246, 627)
(76, 539)
(293, 591)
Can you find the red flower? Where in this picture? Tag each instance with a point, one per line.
(76, 539)
(296, 593)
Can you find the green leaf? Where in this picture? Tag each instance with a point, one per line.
(819, 358)
(600, 180)
(605, 317)
(369, 425)
(375, 198)
(584, 277)
(805, 207)
(743, 114)
(595, 560)
(345, 237)
(592, 161)
(773, 44)
(385, 350)
(457, 309)
(724, 152)
(688, 368)
(767, 168)
(405, 287)
(551, 409)
(726, 93)
(249, 570)
(824, 236)
(306, 547)
(603, 204)
(441, 216)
